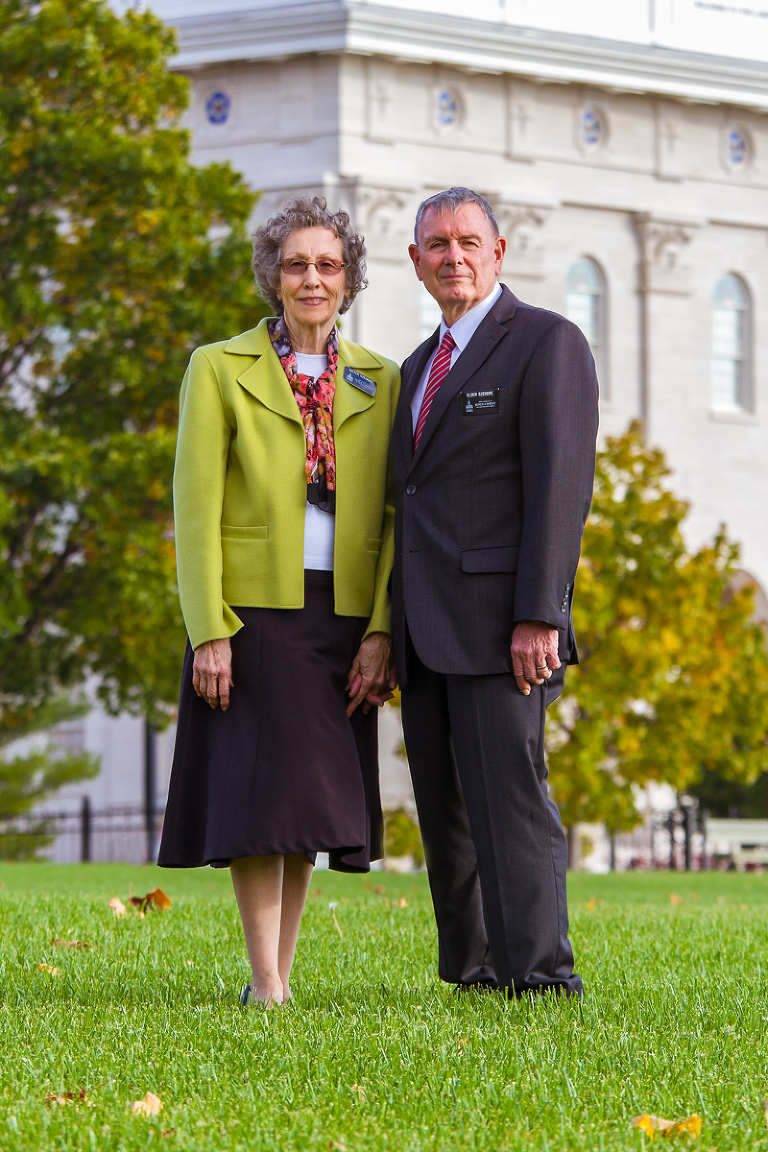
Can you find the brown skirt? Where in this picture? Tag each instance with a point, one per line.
(284, 769)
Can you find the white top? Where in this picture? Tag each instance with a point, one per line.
(462, 331)
(319, 527)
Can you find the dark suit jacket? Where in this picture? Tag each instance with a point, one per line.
(491, 508)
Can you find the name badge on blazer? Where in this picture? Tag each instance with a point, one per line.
(357, 380)
(480, 403)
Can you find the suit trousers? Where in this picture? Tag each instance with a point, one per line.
(494, 843)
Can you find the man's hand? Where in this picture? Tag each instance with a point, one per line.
(534, 653)
(212, 672)
(372, 675)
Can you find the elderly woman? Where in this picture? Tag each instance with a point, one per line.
(284, 530)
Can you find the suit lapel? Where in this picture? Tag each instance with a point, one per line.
(413, 370)
(264, 378)
(480, 347)
(348, 399)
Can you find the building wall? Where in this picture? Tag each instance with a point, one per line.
(655, 203)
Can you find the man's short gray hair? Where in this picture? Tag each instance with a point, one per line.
(303, 212)
(453, 199)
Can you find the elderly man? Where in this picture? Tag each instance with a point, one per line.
(494, 455)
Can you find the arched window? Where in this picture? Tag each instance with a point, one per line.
(731, 384)
(585, 305)
(429, 313)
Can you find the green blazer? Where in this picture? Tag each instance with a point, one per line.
(240, 490)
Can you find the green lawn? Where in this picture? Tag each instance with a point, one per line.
(375, 1053)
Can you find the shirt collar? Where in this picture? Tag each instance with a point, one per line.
(465, 327)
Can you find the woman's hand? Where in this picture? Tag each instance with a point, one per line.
(372, 675)
(212, 672)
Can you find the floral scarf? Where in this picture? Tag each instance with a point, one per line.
(315, 401)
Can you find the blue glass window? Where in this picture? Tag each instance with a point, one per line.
(585, 296)
(592, 129)
(446, 108)
(737, 146)
(217, 107)
(731, 384)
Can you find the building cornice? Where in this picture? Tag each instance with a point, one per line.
(352, 26)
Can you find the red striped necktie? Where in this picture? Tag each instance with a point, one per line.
(437, 374)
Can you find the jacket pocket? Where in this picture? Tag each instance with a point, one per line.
(490, 559)
(373, 545)
(244, 531)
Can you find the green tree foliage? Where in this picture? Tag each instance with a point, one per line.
(117, 257)
(673, 680)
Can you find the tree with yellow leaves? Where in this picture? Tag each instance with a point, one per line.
(673, 679)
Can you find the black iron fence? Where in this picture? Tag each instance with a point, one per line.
(131, 833)
(123, 833)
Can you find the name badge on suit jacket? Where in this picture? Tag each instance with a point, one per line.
(480, 403)
(357, 380)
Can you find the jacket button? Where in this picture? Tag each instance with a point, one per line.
(411, 489)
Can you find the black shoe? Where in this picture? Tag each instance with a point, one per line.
(244, 995)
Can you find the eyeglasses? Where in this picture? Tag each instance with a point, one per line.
(326, 267)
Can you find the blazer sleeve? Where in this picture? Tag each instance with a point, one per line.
(381, 617)
(558, 431)
(198, 492)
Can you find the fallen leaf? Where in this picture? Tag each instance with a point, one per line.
(117, 906)
(652, 1124)
(60, 942)
(765, 1111)
(380, 889)
(675, 900)
(645, 1124)
(149, 1106)
(360, 1091)
(402, 902)
(49, 969)
(168, 1132)
(154, 899)
(158, 899)
(594, 903)
(339, 1147)
(61, 1098)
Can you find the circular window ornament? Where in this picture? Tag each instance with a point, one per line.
(217, 107)
(446, 108)
(737, 147)
(592, 128)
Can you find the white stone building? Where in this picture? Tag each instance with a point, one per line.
(624, 147)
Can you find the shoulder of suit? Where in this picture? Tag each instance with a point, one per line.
(210, 351)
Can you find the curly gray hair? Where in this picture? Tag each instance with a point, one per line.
(303, 212)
